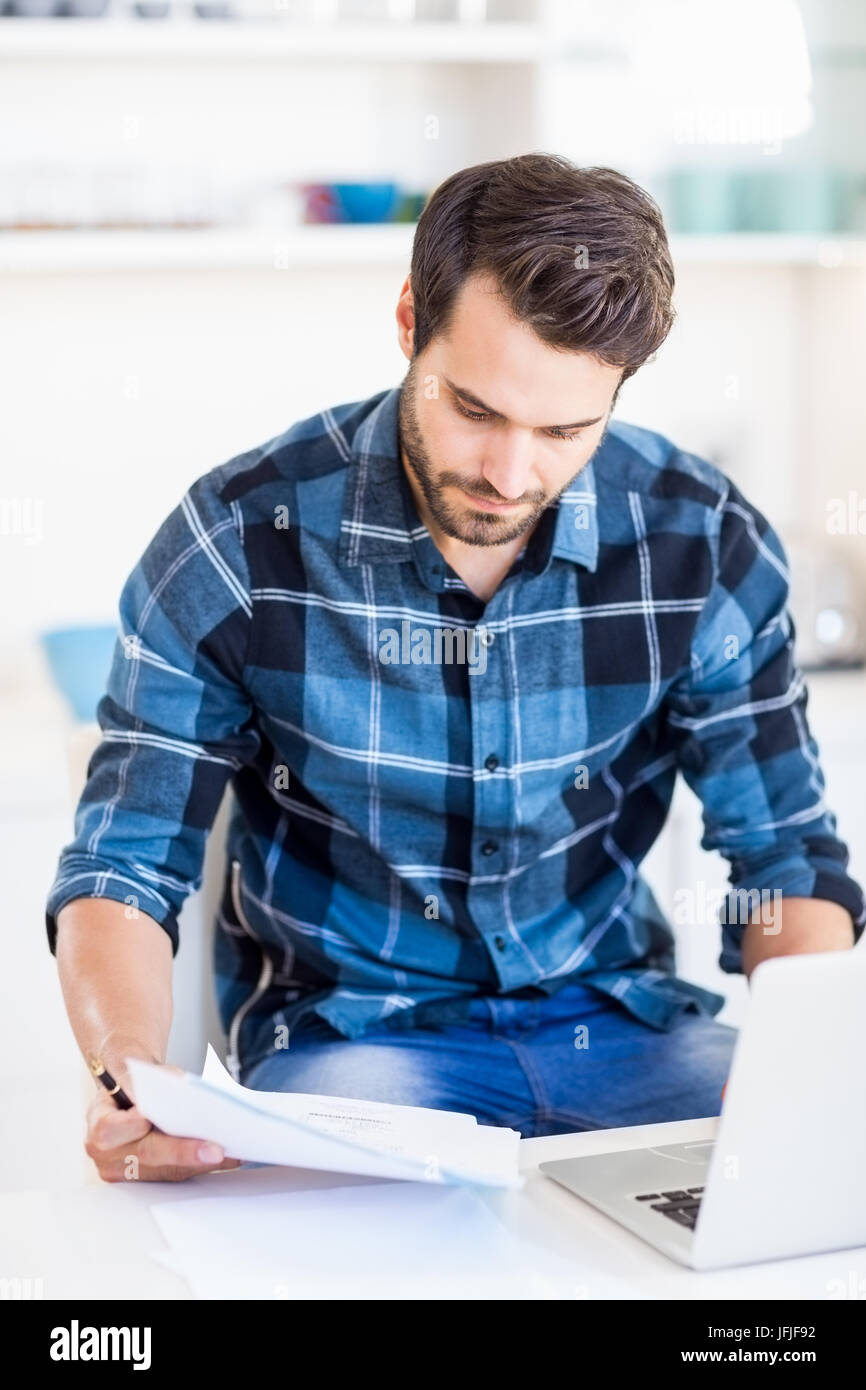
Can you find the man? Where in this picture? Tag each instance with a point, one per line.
(450, 646)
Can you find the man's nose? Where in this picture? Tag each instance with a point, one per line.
(508, 464)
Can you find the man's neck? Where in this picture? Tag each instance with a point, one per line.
(481, 567)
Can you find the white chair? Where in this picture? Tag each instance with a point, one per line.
(196, 1019)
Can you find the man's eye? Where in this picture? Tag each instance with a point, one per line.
(564, 434)
(471, 414)
(480, 415)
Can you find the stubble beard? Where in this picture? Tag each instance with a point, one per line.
(473, 528)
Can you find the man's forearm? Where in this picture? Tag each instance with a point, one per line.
(798, 925)
(115, 973)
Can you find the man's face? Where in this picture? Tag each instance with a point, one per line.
(487, 480)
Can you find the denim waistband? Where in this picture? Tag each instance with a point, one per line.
(523, 1008)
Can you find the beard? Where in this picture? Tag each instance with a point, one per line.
(462, 524)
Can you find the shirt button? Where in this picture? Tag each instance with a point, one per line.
(491, 762)
(489, 847)
(499, 943)
(486, 636)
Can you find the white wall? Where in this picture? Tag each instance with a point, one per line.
(126, 386)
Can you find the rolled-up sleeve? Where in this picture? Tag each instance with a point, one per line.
(743, 741)
(176, 719)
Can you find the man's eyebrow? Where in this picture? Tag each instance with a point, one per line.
(488, 410)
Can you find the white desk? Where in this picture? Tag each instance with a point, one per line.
(96, 1242)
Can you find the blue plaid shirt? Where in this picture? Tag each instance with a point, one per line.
(434, 797)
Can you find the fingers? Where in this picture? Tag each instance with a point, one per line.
(125, 1146)
(109, 1128)
(166, 1151)
(159, 1157)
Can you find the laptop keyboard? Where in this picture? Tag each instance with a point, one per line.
(680, 1204)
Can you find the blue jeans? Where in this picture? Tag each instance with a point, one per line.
(512, 1061)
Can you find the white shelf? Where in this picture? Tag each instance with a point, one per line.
(771, 248)
(240, 41)
(211, 249)
(356, 245)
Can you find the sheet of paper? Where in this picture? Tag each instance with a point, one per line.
(375, 1240)
(373, 1122)
(364, 1139)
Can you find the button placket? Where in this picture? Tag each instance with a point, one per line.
(492, 809)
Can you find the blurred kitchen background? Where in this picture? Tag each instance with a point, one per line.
(206, 214)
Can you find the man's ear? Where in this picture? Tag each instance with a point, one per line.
(406, 320)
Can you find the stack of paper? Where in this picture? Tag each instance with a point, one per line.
(371, 1240)
(265, 1234)
(334, 1133)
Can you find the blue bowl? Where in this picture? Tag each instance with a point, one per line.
(366, 202)
(80, 660)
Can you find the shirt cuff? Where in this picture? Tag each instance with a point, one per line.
(113, 883)
(767, 891)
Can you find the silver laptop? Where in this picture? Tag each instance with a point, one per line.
(785, 1173)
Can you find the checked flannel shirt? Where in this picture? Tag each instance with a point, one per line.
(407, 829)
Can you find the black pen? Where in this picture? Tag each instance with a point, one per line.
(121, 1099)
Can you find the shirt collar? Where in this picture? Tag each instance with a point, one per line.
(375, 524)
(576, 534)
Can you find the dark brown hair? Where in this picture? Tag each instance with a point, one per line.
(580, 255)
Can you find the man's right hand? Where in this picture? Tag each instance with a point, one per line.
(125, 1146)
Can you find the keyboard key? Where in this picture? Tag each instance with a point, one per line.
(677, 1195)
(682, 1218)
(694, 1189)
(647, 1197)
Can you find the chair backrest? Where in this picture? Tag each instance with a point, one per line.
(196, 1019)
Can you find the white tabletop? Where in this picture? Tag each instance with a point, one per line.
(96, 1242)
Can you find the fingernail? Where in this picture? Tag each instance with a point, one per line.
(210, 1153)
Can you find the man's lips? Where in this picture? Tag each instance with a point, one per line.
(485, 505)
